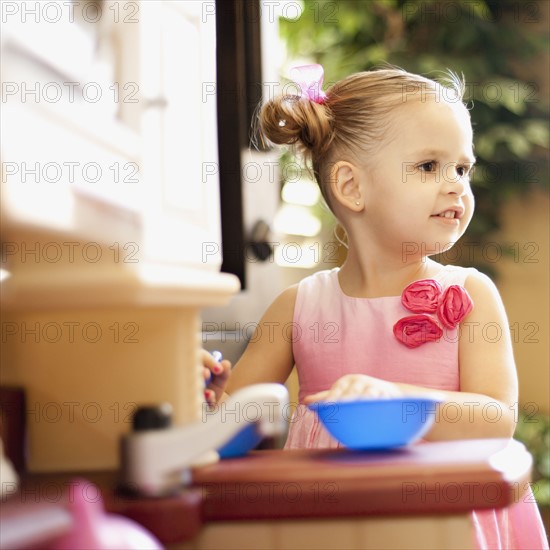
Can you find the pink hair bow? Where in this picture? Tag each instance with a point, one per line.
(310, 80)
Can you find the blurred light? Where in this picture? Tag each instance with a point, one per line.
(289, 9)
(296, 220)
(303, 191)
(4, 275)
(304, 255)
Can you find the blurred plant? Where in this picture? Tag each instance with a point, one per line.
(490, 42)
(533, 431)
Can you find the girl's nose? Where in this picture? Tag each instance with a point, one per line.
(453, 183)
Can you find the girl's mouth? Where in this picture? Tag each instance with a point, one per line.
(448, 217)
(449, 214)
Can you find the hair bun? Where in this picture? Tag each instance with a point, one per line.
(293, 119)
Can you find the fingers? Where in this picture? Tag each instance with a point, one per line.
(210, 397)
(216, 375)
(353, 387)
(221, 373)
(210, 362)
(348, 387)
(213, 368)
(314, 397)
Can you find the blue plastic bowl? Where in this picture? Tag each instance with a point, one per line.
(381, 423)
(245, 440)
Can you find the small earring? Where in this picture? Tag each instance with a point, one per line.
(357, 203)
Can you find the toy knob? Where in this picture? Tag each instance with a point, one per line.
(156, 417)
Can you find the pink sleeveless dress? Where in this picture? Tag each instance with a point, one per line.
(335, 335)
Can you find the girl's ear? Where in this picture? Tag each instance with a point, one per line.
(345, 185)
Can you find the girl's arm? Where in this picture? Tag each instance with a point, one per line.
(486, 404)
(488, 381)
(268, 356)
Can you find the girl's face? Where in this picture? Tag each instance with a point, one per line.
(418, 185)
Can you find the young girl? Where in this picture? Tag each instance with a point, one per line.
(392, 153)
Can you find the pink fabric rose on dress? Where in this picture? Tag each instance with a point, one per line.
(422, 296)
(415, 330)
(454, 306)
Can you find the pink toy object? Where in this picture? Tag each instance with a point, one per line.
(94, 529)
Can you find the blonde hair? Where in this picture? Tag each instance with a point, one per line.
(353, 120)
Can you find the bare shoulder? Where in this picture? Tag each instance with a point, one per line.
(284, 303)
(484, 293)
(476, 280)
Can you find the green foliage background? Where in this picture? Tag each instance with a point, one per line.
(490, 42)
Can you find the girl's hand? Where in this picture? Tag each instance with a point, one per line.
(356, 385)
(217, 373)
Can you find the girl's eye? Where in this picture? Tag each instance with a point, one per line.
(462, 171)
(466, 170)
(427, 166)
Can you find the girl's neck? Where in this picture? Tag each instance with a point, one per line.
(369, 277)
